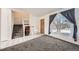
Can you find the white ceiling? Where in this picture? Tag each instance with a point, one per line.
(38, 11)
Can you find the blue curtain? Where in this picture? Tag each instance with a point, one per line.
(70, 15)
(51, 18)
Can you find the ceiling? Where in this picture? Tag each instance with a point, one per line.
(38, 11)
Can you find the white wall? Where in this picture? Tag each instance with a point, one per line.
(0, 24)
(46, 24)
(18, 21)
(19, 16)
(6, 28)
(77, 19)
(12, 20)
(34, 23)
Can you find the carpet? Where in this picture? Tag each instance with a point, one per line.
(44, 43)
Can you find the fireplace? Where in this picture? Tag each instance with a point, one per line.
(27, 30)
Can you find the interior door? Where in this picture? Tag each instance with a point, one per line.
(42, 26)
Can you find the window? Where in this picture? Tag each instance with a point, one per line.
(61, 25)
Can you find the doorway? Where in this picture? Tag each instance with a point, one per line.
(42, 26)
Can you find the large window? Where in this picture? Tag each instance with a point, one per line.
(61, 25)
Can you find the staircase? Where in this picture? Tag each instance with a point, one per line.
(17, 31)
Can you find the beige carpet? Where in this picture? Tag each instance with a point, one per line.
(44, 43)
